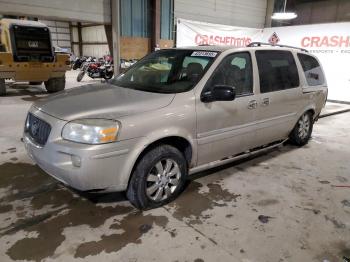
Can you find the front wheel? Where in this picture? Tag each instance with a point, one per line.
(158, 178)
(54, 85)
(2, 87)
(80, 75)
(302, 131)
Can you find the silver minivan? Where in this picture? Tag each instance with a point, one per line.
(174, 113)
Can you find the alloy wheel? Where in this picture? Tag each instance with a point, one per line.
(304, 126)
(162, 180)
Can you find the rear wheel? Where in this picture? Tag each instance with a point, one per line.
(2, 87)
(158, 178)
(301, 133)
(108, 75)
(35, 83)
(55, 84)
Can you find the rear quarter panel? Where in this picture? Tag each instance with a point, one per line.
(315, 96)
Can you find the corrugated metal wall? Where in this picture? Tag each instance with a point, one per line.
(94, 41)
(247, 13)
(60, 33)
(97, 11)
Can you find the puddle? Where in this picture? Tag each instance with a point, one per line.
(134, 225)
(23, 180)
(27, 181)
(5, 208)
(191, 204)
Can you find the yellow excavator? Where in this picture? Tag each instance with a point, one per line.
(27, 55)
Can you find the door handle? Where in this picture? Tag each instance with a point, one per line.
(252, 104)
(266, 101)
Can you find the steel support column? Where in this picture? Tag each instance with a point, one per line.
(156, 11)
(115, 5)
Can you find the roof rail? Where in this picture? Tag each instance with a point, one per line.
(254, 44)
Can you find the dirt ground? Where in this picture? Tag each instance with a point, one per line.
(291, 204)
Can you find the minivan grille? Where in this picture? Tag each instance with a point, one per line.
(37, 129)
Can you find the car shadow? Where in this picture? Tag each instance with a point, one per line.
(29, 93)
(102, 198)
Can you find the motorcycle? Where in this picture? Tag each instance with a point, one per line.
(78, 62)
(96, 70)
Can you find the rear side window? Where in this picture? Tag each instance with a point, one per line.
(277, 70)
(312, 70)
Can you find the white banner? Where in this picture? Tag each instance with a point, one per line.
(329, 42)
(190, 33)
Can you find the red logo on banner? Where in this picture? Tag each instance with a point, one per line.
(274, 39)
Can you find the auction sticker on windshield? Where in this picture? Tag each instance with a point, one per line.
(204, 53)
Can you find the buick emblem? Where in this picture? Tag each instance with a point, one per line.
(35, 128)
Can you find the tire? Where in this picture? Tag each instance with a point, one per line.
(35, 83)
(54, 85)
(302, 131)
(147, 189)
(108, 75)
(2, 87)
(80, 76)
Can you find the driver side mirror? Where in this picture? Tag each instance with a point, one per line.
(219, 93)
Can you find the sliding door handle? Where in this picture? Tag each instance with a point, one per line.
(252, 104)
(266, 101)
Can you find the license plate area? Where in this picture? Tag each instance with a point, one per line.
(35, 65)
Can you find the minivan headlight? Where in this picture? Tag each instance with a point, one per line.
(91, 131)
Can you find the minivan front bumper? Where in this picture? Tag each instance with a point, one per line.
(81, 166)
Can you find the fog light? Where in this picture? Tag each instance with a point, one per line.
(76, 161)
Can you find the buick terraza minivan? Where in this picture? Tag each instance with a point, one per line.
(174, 113)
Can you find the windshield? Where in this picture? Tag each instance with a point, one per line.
(167, 71)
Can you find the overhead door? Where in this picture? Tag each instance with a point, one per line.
(248, 13)
(97, 11)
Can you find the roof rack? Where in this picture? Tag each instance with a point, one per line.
(254, 44)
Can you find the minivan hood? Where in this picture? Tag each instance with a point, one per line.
(101, 101)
